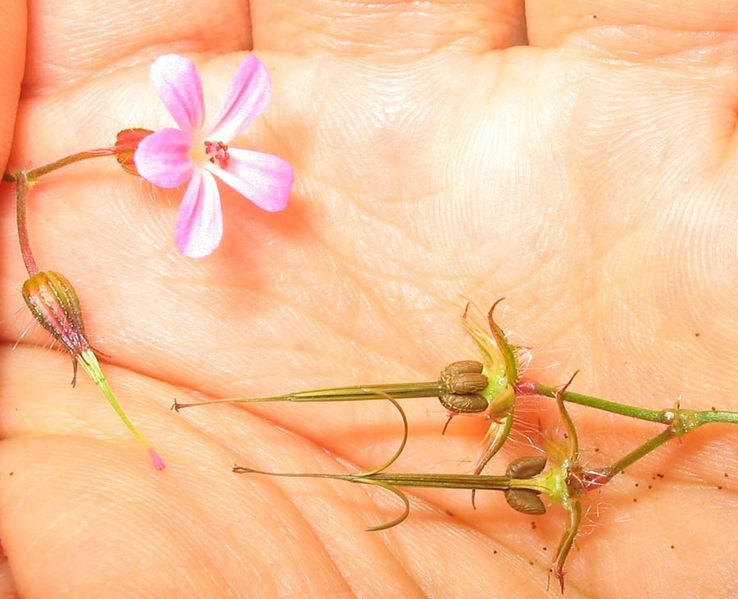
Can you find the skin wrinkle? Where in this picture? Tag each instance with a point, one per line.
(275, 483)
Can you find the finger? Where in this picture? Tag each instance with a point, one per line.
(71, 41)
(632, 29)
(400, 30)
(12, 56)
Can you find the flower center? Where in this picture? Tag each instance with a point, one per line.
(217, 153)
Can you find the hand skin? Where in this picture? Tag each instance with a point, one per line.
(589, 174)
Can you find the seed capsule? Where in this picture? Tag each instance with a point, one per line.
(526, 467)
(525, 501)
(462, 382)
(469, 404)
(54, 304)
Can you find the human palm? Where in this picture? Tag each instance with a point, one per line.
(589, 179)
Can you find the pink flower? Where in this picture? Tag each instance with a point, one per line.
(195, 153)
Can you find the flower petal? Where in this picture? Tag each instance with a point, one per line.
(264, 179)
(199, 227)
(248, 96)
(178, 83)
(162, 158)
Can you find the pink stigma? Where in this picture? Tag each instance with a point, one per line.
(156, 460)
(217, 152)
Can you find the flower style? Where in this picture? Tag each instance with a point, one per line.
(195, 152)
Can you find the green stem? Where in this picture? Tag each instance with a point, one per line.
(365, 393)
(442, 481)
(593, 479)
(667, 416)
(643, 450)
(660, 416)
(716, 416)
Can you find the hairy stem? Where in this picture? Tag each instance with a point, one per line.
(21, 192)
(596, 478)
(661, 416)
(34, 174)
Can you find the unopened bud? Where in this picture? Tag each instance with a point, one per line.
(126, 143)
(54, 304)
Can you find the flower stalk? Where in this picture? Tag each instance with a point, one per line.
(53, 301)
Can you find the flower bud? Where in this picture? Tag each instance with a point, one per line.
(54, 304)
(126, 143)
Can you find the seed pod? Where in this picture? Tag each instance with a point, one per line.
(526, 467)
(462, 382)
(54, 304)
(463, 366)
(525, 501)
(469, 404)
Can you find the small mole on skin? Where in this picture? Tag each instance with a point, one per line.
(494, 551)
(696, 334)
(659, 475)
(636, 484)
(545, 548)
(720, 487)
(635, 500)
(533, 524)
(672, 546)
(650, 487)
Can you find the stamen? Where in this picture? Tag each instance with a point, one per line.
(217, 152)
